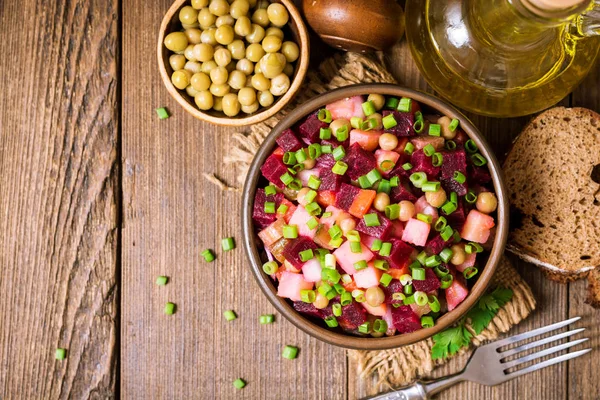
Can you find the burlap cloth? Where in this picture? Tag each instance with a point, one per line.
(395, 367)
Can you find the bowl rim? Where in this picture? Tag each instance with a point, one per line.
(296, 82)
(369, 343)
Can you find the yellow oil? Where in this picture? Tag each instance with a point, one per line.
(486, 57)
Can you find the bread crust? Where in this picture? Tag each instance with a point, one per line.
(593, 297)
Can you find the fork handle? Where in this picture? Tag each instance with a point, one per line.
(421, 390)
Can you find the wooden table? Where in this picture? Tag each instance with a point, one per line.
(98, 197)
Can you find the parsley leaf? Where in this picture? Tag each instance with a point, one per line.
(480, 319)
(502, 296)
(488, 302)
(450, 341)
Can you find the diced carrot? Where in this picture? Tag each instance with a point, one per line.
(350, 286)
(396, 273)
(326, 198)
(362, 203)
(278, 152)
(368, 140)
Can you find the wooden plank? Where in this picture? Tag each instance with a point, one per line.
(171, 214)
(58, 198)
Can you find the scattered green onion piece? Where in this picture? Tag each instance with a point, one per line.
(429, 150)
(408, 289)
(385, 279)
(449, 207)
(373, 176)
(269, 207)
(428, 219)
(472, 247)
(431, 186)
(405, 105)
(239, 383)
(357, 292)
(61, 354)
(360, 265)
(324, 289)
(270, 267)
(364, 182)
(356, 122)
(446, 255)
(346, 298)
(365, 328)
(435, 129)
(376, 246)
(478, 160)
(453, 125)
(282, 209)
(384, 186)
(266, 319)
(341, 134)
(290, 231)
(407, 166)
(470, 146)
(418, 179)
(339, 289)
(208, 255)
(379, 325)
(301, 156)
(418, 274)
(433, 261)
(340, 168)
(289, 158)
(409, 148)
(392, 211)
(394, 181)
(434, 303)
(437, 159)
(470, 272)
(446, 281)
(326, 214)
(325, 134)
(162, 280)
(440, 224)
(337, 309)
(290, 352)
(335, 232)
(386, 249)
(331, 321)
(314, 151)
(307, 296)
(419, 124)
(450, 144)
(421, 298)
(331, 294)
(310, 196)
(353, 236)
(389, 121)
(371, 220)
(330, 275)
(454, 198)
(346, 279)
(386, 165)
(361, 298)
(162, 113)
(314, 182)
(408, 300)
(381, 264)
(427, 321)
(313, 208)
(414, 264)
(398, 296)
(441, 271)
(229, 315)
(422, 257)
(392, 102)
(227, 244)
(286, 178)
(405, 279)
(326, 149)
(447, 233)
(355, 247)
(369, 108)
(459, 177)
(298, 167)
(306, 255)
(270, 190)
(471, 197)
(324, 115)
(292, 170)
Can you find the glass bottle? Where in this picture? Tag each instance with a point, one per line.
(503, 58)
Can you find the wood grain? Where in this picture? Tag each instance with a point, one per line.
(59, 122)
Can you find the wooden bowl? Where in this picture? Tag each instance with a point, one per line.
(295, 27)
(356, 25)
(338, 338)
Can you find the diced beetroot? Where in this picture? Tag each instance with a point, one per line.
(385, 155)
(421, 141)
(420, 310)
(288, 141)
(312, 270)
(379, 311)
(398, 170)
(308, 309)
(436, 245)
(329, 180)
(346, 258)
(259, 216)
(405, 319)
(479, 175)
(402, 192)
(404, 123)
(333, 142)
(469, 262)
(311, 128)
(352, 316)
(346, 108)
(305, 175)
(477, 227)
(300, 218)
(416, 232)
(423, 207)
(400, 255)
(382, 231)
(454, 161)
(423, 163)
(457, 292)
(397, 229)
(394, 287)
(461, 137)
(290, 285)
(359, 161)
(458, 217)
(450, 185)
(292, 250)
(272, 169)
(346, 196)
(325, 161)
(430, 283)
(368, 277)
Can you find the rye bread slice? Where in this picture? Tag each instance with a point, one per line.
(553, 180)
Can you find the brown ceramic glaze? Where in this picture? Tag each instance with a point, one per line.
(356, 25)
(339, 338)
(299, 34)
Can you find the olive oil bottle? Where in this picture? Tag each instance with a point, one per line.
(503, 58)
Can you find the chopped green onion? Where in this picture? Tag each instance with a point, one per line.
(409, 148)
(306, 255)
(359, 265)
(364, 182)
(369, 108)
(339, 289)
(208, 255)
(162, 280)
(365, 328)
(324, 288)
(326, 214)
(162, 113)
(376, 246)
(408, 289)
(405, 104)
(282, 209)
(381, 264)
(290, 352)
(427, 321)
(418, 179)
(239, 383)
(446, 255)
(425, 218)
(405, 279)
(449, 207)
(440, 224)
(270, 190)
(346, 279)
(398, 296)
(472, 247)
(331, 321)
(371, 220)
(286, 178)
(314, 182)
(434, 303)
(386, 165)
(357, 292)
(355, 247)
(389, 121)
(314, 151)
(392, 102)
(437, 159)
(386, 249)
(459, 177)
(385, 279)
(471, 197)
(379, 325)
(373, 176)
(360, 299)
(353, 235)
(454, 198)
(293, 171)
(470, 146)
(297, 168)
(384, 186)
(290, 231)
(447, 233)
(270, 267)
(266, 319)
(450, 144)
(307, 296)
(345, 298)
(340, 167)
(453, 125)
(392, 211)
(356, 122)
(394, 181)
(301, 156)
(313, 208)
(337, 309)
(341, 134)
(435, 129)
(329, 261)
(446, 281)
(408, 300)
(229, 315)
(433, 261)
(310, 196)
(418, 274)
(431, 186)
(324, 115)
(325, 134)
(478, 160)
(422, 257)
(326, 149)
(429, 150)
(407, 166)
(289, 158)
(421, 298)
(419, 122)
(470, 272)
(228, 243)
(414, 264)
(369, 124)
(330, 275)
(331, 294)
(269, 207)
(61, 354)
(335, 232)
(441, 271)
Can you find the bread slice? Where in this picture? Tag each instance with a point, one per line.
(552, 174)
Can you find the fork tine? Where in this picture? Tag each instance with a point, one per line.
(542, 353)
(540, 342)
(547, 363)
(535, 332)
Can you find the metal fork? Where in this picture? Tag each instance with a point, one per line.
(488, 365)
